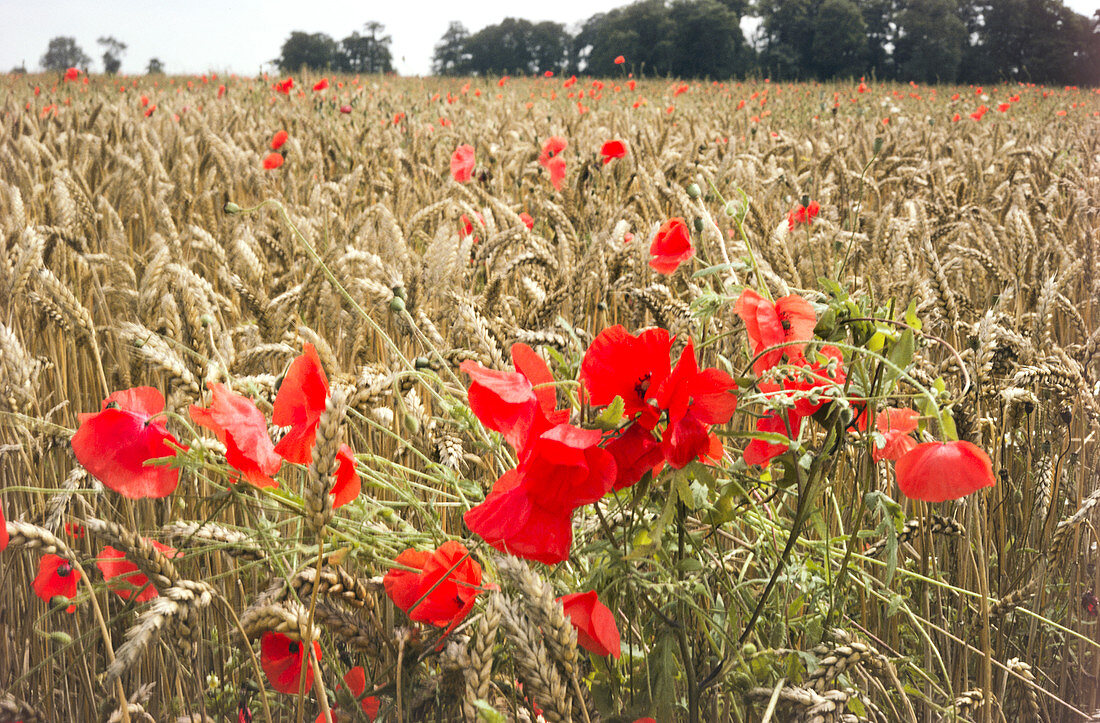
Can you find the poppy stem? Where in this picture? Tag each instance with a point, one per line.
(739, 222)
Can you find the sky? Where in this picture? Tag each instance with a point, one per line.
(242, 36)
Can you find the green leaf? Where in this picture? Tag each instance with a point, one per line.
(611, 417)
(487, 713)
(689, 564)
(710, 270)
(877, 341)
(911, 317)
(901, 356)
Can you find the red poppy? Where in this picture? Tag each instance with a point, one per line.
(115, 444)
(695, 400)
(273, 161)
(462, 163)
(72, 73)
(527, 220)
(150, 111)
(551, 149)
(221, 90)
(565, 468)
(144, 101)
(671, 246)
(507, 402)
(895, 425)
(347, 486)
(612, 150)
(284, 86)
(278, 140)
(636, 452)
(594, 623)
(445, 589)
(620, 60)
(281, 658)
(242, 428)
(803, 214)
(761, 453)
(619, 364)
(815, 375)
(320, 85)
(939, 471)
(56, 577)
(510, 521)
(345, 109)
(789, 319)
(299, 405)
(122, 576)
(3, 529)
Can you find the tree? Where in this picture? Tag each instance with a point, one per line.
(517, 47)
(63, 53)
(931, 41)
(642, 32)
(787, 32)
(112, 55)
(450, 56)
(879, 17)
(315, 51)
(839, 47)
(707, 40)
(369, 53)
(155, 67)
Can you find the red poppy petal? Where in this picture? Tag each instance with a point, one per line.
(347, 486)
(356, 680)
(3, 530)
(114, 445)
(510, 522)
(940, 471)
(143, 401)
(759, 452)
(534, 368)
(304, 391)
(798, 319)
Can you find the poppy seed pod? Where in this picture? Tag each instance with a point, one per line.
(693, 190)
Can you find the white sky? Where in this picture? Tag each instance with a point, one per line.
(240, 35)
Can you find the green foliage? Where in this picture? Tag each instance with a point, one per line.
(511, 47)
(315, 51)
(155, 66)
(931, 41)
(114, 49)
(367, 53)
(63, 53)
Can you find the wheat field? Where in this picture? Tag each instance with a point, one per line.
(147, 247)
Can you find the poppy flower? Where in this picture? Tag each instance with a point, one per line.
(56, 577)
(3, 529)
(695, 400)
(356, 682)
(284, 86)
(760, 452)
(939, 471)
(320, 85)
(347, 485)
(242, 428)
(278, 140)
(462, 163)
(115, 443)
(444, 590)
(671, 246)
(123, 577)
(636, 452)
(895, 425)
(281, 657)
(299, 405)
(803, 214)
(150, 111)
(510, 521)
(612, 150)
(72, 73)
(551, 149)
(620, 60)
(594, 623)
(814, 375)
(527, 220)
(72, 529)
(619, 364)
(556, 166)
(345, 109)
(273, 161)
(507, 402)
(565, 468)
(221, 90)
(788, 319)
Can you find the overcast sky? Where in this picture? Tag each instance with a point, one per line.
(241, 35)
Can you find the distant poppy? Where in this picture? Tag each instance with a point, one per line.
(939, 471)
(320, 85)
(527, 220)
(671, 246)
(788, 319)
(115, 443)
(803, 214)
(278, 140)
(282, 659)
(620, 364)
(552, 148)
(123, 577)
(620, 60)
(594, 622)
(761, 452)
(3, 529)
(345, 109)
(556, 166)
(299, 404)
(347, 485)
(150, 111)
(444, 590)
(56, 577)
(548, 74)
(273, 161)
(462, 163)
(144, 100)
(242, 428)
(502, 81)
(285, 86)
(612, 150)
(1003, 107)
(72, 73)
(221, 90)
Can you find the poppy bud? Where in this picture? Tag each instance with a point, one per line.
(698, 221)
(412, 424)
(877, 147)
(693, 190)
(399, 292)
(232, 208)
(733, 208)
(805, 199)
(397, 304)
